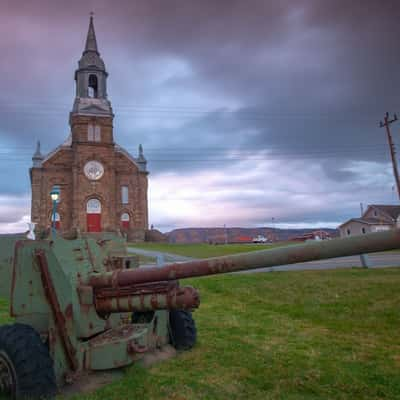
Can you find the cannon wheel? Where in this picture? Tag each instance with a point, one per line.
(183, 330)
(26, 368)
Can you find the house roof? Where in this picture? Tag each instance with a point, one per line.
(366, 221)
(392, 211)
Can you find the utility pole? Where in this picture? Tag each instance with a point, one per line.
(392, 149)
(364, 257)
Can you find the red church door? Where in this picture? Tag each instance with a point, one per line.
(93, 215)
(93, 222)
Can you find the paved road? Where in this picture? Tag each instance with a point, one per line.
(156, 254)
(376, 260)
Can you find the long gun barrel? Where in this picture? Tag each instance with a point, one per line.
(368, 243)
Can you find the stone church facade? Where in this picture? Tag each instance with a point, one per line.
(102, 187)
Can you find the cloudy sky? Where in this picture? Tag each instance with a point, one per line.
(250, 112)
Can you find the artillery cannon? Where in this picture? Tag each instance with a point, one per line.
(82, 305)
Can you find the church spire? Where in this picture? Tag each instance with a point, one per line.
(91, 80)
(37, 156)
(91, 42)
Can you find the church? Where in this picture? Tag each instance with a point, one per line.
(102, 187)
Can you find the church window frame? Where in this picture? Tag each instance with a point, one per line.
(124, 194)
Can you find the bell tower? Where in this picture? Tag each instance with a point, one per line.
(91, 117)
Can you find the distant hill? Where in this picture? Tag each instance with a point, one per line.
(217, 235)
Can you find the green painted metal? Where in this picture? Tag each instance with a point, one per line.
(7, 246)
(69, 262)
(79, 294)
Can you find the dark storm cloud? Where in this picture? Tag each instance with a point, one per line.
(314, 59)
(204, 84)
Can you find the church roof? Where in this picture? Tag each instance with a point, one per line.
(140, 162)
(65, 146)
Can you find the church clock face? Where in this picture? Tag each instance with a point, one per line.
(93, 170)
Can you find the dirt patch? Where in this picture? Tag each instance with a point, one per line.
(90, 381)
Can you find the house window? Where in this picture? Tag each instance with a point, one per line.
(124, 194)
(363, 230)
(375, 214)
(348, 232)
(90, 133)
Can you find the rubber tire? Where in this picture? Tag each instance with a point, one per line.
(183, 330)
(30, 361)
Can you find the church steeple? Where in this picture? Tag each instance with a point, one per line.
(91, 80)
(91, 42)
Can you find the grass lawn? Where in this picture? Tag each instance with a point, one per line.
(282, 335)
(204, 250)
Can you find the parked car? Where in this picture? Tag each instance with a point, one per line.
(260, 239)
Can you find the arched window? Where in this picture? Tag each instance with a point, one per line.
(93, 206)
(92, 86)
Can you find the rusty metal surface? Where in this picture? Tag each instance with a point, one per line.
(369, 243)
(59, 317)
(146, 297)
(117, 347)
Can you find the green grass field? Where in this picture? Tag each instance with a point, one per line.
(204, 250)
(282, 335)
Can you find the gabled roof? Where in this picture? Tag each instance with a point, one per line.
(366, 221)
(390, 210)
(139, 162)
(65, 146)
